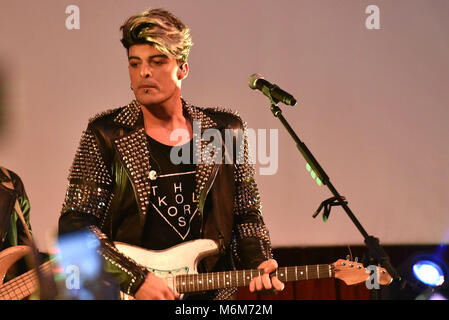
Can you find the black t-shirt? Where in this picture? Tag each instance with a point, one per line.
(173, 216)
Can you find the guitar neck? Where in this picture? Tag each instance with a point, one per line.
(24, 285)
(239, 278)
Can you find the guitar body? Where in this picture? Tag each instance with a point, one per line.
(9, 257)
(166, 264)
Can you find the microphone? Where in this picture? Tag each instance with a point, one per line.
(272, 91)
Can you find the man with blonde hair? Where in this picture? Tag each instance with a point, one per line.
(125, 186)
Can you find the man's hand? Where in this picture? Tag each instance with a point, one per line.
(155, 288)
(264, 282)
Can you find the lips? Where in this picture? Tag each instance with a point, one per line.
(148, 86)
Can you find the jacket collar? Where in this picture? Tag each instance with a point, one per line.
(131, 116)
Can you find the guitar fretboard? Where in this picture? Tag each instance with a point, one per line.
(24, 285)
(239, 278)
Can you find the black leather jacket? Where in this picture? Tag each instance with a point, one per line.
(109, 189)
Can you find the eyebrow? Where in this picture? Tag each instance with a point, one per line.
(151, 57)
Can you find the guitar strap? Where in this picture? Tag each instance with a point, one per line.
(9, 185)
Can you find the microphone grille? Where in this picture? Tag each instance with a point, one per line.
(253, 79)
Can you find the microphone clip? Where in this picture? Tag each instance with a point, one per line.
(327, 206)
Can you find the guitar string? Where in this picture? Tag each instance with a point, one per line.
(15, 286)
(20, 287)
(11, 290)
(193, 281)
(27, 278)
(30, 276)
(313, 271)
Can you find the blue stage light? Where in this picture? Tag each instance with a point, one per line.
(429, 273)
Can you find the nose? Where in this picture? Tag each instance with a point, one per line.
(145, 72)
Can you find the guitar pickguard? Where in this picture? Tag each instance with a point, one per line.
(165, 273)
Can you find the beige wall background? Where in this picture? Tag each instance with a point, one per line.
(372, 104)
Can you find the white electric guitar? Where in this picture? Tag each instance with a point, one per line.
(178, 266)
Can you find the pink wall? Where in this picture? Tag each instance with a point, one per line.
(373, 104)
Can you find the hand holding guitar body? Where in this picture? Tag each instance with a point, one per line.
(155, 288)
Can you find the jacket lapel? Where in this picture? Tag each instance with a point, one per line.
(204, 171)
(134, 153)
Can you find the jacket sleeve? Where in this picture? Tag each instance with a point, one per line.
(17, 234)
(86, 206)
(250, 240)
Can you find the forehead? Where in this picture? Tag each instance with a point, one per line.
(144, 51)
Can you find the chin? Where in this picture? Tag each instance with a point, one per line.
(147, 99)
(156, 98)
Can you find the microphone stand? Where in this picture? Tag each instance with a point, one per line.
(376, 251)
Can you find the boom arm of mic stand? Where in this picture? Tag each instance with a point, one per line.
(371, 242)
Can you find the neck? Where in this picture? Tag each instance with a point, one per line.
(162, 119)
(168, 115)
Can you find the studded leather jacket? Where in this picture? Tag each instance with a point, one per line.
(109, 188)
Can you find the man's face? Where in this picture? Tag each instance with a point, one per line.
(155, 77)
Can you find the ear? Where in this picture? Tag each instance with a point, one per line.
(183, 71)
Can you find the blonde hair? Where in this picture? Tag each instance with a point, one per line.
(161, 29)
